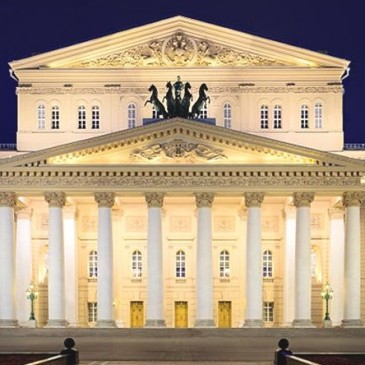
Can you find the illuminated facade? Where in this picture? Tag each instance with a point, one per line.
(235, 219)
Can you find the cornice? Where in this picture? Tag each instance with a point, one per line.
(116, 90)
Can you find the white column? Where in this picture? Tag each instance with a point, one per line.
(289, 266)
(71, 267)
(105, 260)
(7, 260)
(204, 273)
(253, 317)
(23, 264)
(336, 266)
(352, 202)
(155, 297)
(303, 278)
(56, 264)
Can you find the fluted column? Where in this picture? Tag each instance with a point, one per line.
(105, 260)
(23, 264)
(336, 264)
(352, 202)
(155, 295)
(253, 316)
(204, 273)
(303, 278)
(7, 260)
(56, 268)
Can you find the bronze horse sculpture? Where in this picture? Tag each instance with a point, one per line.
(159, 107)
(201, 102)
(171, 107)
(185, 103)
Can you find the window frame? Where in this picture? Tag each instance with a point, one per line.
(137, 265)
(224, 264)
(180, 264)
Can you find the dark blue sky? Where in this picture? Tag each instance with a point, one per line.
(38, 26)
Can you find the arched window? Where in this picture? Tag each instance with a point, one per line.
(180, 264)
(132, 115)
(264, 116)
(137, 264)
(41, 116)
(267, 264)
(224, 268)
(304, 117)
(318, 115)
(95, 117)
(55, 117)
(277, 116)
(227, 115)
(81, 117)
(93, 264)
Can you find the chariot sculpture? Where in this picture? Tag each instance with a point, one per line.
(178, 99)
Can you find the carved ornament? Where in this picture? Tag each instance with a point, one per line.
(179, 50)
(55, 199)
(105, 199)
(176, 150)
(303, 199)
(7, 199)
(204, 200)
(254, 200)
(154, 200)
(353, 198)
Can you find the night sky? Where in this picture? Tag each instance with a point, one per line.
(37, 26)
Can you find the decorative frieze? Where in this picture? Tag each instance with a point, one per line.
(7, 199)
(204, 200)
(353, 198)
(180, 224)
(55, 199)
(154, 200)
(303, 199)
(105, 199)
(136, 224)
(254, 199)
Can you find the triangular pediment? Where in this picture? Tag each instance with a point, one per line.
(178, 42)
(180, 142)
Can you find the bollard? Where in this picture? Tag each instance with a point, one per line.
(282, 351)
(70, 351)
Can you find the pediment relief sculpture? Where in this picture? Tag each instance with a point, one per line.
(179, 50)
(178, 150)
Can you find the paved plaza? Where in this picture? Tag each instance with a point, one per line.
(168, 346)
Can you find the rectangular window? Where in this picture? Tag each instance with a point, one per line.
(277, 117)
(264, 117)
(304, 117)
(268, 312)
(55, 118)
(92, 308)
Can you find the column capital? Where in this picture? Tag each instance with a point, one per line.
(7, 199)
(254, 199)
(154, 200)
(352, 198)
(55, 199)
(105, 199)
(303, 199)
(204, 200)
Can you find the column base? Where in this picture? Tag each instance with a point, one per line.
(105, 323)
(56, 323)
(303, 323)
(253, 323)
(153, 323)
(32, 323)
(351, 323)
(204, 323)
(327, 323)
(9, 323)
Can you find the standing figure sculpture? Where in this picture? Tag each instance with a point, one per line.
(178, 87)
(159, 107)
(201, 102)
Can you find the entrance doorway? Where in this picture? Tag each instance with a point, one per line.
(225, 314)
(181, 314)
(137, 319)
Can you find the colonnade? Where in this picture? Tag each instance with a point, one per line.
(204, 280)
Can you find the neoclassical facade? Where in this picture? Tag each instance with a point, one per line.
(235, 218)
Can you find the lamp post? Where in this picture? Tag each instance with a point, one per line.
(32, 295)
(327, 294)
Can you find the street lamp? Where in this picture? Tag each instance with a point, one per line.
(32, 295)
(327, 294)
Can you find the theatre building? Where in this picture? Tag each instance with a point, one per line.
(181, 174)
